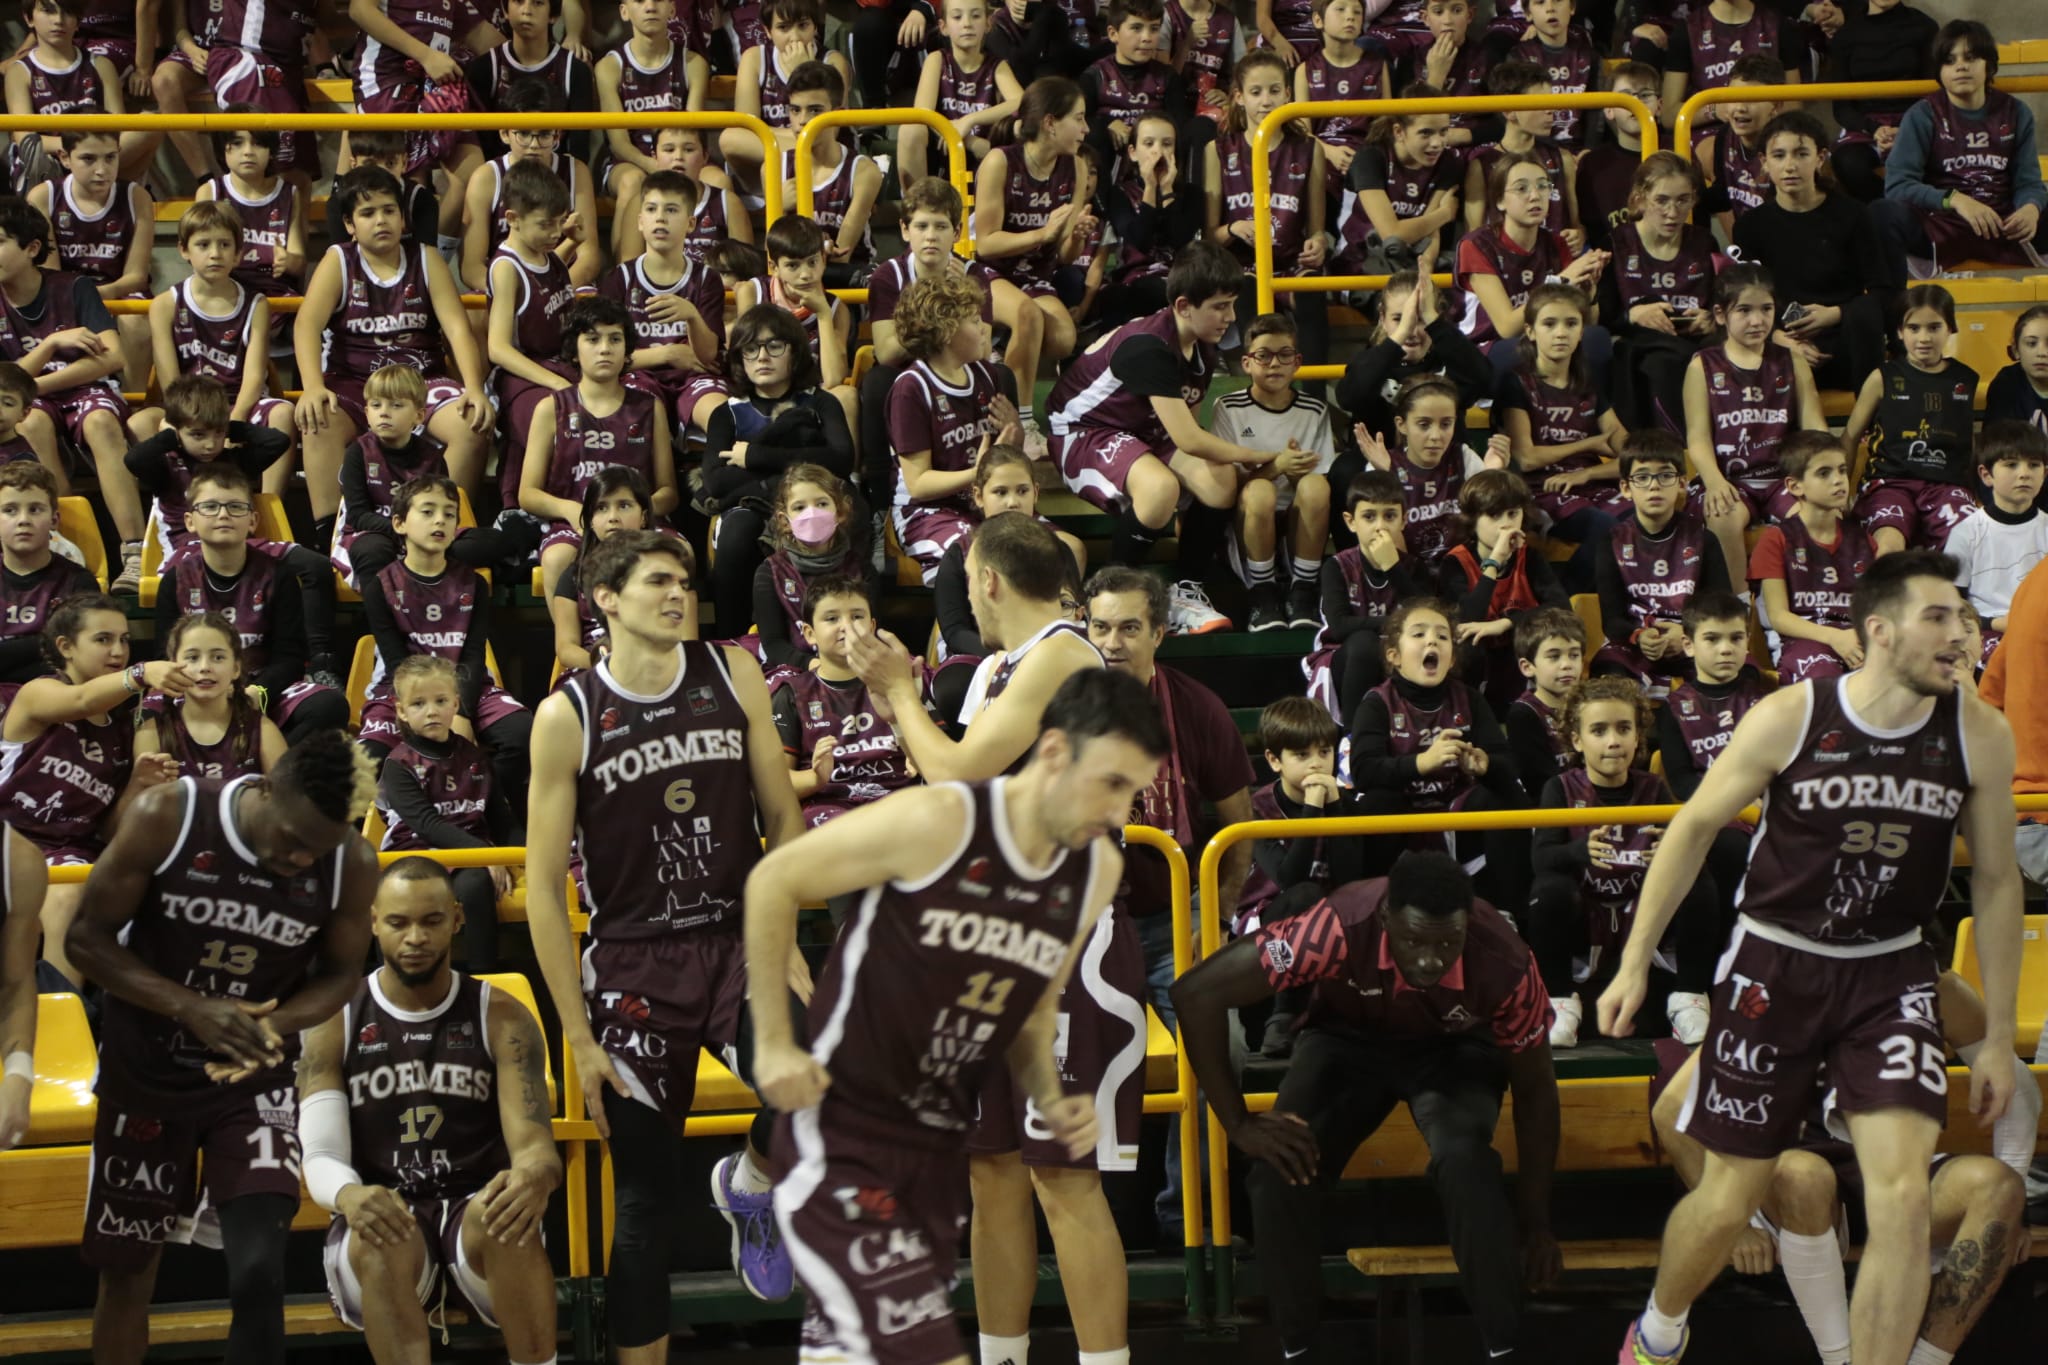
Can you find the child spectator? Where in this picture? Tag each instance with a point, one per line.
(26, 432)
(1294, 489)
(795, 284)
(1606, 172)
(390, 452)
(419, 206)
(844, 181)
(1411, 336)
(618, 499)
(843, 751)
(54, 75)
(795, 34)
(713, 211)
(1730, 154)
(778, 417)
(1565, 53)
(1005, 480)
(1151, 217)
(597, 421)
(1500, 263)
(405, 59)
(1446, 55)
(1895, 43)
(215, 729)
(210, 325)
(436, 791)
(677, 306)
(1588, 877)
(940, 407)
(2019, 392)
(198, 428)
(1406, 185)
(1714, 39)
(1125, 430)
(374, 302)
(1918, 411)
(422, 604)
(1653, 563)
(1703, 710)
(263, 591)
(1656, 298)
(1962, 181)
(1031, 216)
(1999, 543)
(532, 54)
(269, 209)
(104, 229)
(1525, 132)
(529, 292)
(70, 739)
(1807, 565)
(256, 60)
(1560, 425)
(1744, 396)
(60, 332)
(1342, 68)
(815, 534)
(1290, 875)
(964, 82)
(486, 211)
(1550, 649)
(1494, 580)
(34, 578)
(1431, 469)
(1295, 196)
(1203, 39)
(1130, 80)
(1359, 586)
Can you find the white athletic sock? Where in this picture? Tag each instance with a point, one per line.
(748, 1178)
(1661, 1333)
(444, 243)
(1926, 1353)
(1257, 571)
(1004, 1350)
(1025, 417)
(1307, 570)
(1813, 1272)
(1117, 1357)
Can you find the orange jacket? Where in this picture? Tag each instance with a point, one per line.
(2016, 681)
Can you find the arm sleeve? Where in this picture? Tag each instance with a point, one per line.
(324, 1141)
(392, 645)
(1304, 948)
(1616, 622)
(772, 621)
(1474, 597)
(1372, 766)
(1366, 374)
(426, 217)
(950, 604)
(472, 670)
(1543, 580)
(1905, 169)
(1523, 1018)
(2026, 164)
(1679, 769)
(287, 641)
(782, 704)
(1529, 741)
(1338, 622)
(1557, 852)
(398, 787)
(1464, 363)
(149, 463)
(1502, 777)
(21, 656)
(1144, 365)
(355, 493)
(256, 448)
(720, 478)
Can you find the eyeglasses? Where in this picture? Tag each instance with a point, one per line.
(773, 350)
(1663, 480)
(535, 137)
(1671, 201)
(1287, 357)
(1529, 187)
(212, 507)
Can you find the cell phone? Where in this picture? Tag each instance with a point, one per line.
(1793, 312)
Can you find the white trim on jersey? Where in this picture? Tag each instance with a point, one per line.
(227, 819)
(1785, 938)
(855, 943)
(829, 1292)
(177, 852)
(1763, 802)
(416, 1016)
(966, 835)
(1114, 1151)
(999, 825)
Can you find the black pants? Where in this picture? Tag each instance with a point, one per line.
(1047, 47)
(1558, 929)
(315, 573)
(1344, 1084)
(739, 552)
(874, 48)
(1854, 348)
(1649, 377)
(479, 900)
(1359, 667)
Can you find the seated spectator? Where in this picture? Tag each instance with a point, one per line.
(1807, 565)
(1963, 181)
(1894, 43)
(646, 73)
(528, 293)
(1005, 480)
(795, 284)
(2019, 392)
(1444, 52)
(1998, 544)
(1730, 154)
(1405, 185)
(1658, 298)
(419, 207)
(197, 430)
(1606, 172)
(1204, 40)
(260, 64)
(1427, 415)
(1526, 132)
(214, 729)
(1358, 587)
(26, 432)
(1705, 50)
(842, 748)
(1919, 411)
(1550, 649)
(269, 208)
(963, 80)
(1560, 45)
(714, 210)
(1297, 192)
(34, 578)
(677, 305)
(1341, 68)
(1499, 264)
(406, 56)
(1495, 580)
(486, 216)
(104, 229)
(844, 181)
(1132, 79)
(814, 533)
(532, 54)
(793, 32)
(1653, 563)
(55, 75)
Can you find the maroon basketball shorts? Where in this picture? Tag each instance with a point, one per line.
(73, 408)
(1799, 660)
(1095, 463)
(380, 715)
(926, 530)
(1100, 1051)
(146, 1186)
(1779, 1012)
(1766, 499)
(239, 76)
(446, 1276)
(872, 1215)
(1922, 511)
(654, 1003)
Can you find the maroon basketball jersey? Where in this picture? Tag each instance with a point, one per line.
(434, 614)
(927, 413)
(1573, 69)
(1706, 720)
(586, 443)
(832, 200)
(1291, 160)
(1359, 81)
(1125, 94)
(1716, 47)
(237, 753)
(1365, 593)
(275, 29)
(266, 233)
(1208, 63)
(1552, 156)
(665, 779)
(1559, 417)
(962, 92)
(1615, 888)
(567, 169)
(1686, 281)
(386, 471)
(869, 761)
(898, 273)
(1662, 572)
(1752, 411)
(216, 346)
(26, 600)
(245, 600)
(1858, 830)
(1412, 728)
(767, 289)
(544, 296)
(1090, 395)
(1519, 271)
(1562, 759)
(556, 70)
(382, 70)
(1028, 203)
(422, 1092)
(218, 921)
(93, 244)
(930, 982)
(1431, 496)
(59, 788)
(1820, 579)
(1974, 156)
(774, 89)
(74, 89)
(381, 322)
(1739, 173)
(629, 283)
(788, 578)
(458, 782)
(54, 310)
(711, 226)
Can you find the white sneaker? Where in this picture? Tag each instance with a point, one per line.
(1189, 611)
(1035, 445)
(1687, 1012)
(1564, 1030)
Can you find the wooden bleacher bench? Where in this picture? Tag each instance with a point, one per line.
(304, 1316)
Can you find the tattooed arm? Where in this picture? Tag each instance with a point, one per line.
(517, 1197)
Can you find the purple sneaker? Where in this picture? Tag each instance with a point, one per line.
(758, 1256)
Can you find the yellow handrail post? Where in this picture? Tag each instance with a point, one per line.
(1269, 128)
(1689, 112)
(956, 154)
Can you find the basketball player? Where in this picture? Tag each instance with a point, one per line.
(667, 751)
(1015, 565)
(23, 879)
(424, 1112)
(1864, 780)
(224, 919)
(954, 962)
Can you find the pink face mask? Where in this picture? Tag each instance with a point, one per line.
(814, 525)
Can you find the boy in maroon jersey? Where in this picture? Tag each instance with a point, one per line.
(26, 432)
(669, 746)
(23, 880)
(845, 181)
(529, 288)
(1550, 649)
(486, 211)
(1423, 994)
(677, 306)
(967, 931)
(33, 578)
(455, 1205)
(58, 75)
(1131, 81)
(1864, 780)
(963, 80)
(224, 919)
(843, 751)
(104, 229)
(1566, 53)
(647, 73)
(1703, 711)
(532, 54)
(405, 57)
(1806, 565)
(1653, 563)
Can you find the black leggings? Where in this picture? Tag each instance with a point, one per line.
(1503, 881)
(253, 1232)
(874, 47)
(315, 573)
(479, 899)
(1650, 379)
(480, 547)
(649, 1178)
(1359, 667)
(1047, 47)
(326, 710)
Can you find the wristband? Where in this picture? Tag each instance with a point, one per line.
(1489, 564)
(133, 680)
(1948, 199)
(21, 1064)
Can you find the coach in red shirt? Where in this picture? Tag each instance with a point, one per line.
(1423, 994)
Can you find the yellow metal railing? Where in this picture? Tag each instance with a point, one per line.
(1689, 112)
(1269, 128)
(956, 153)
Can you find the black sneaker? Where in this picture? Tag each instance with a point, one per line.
(1268, 611)
(1304, 605)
